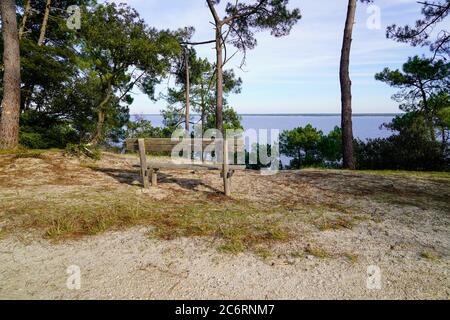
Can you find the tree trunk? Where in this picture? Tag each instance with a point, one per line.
(44, 23)
(24, 19)
(9, 123)
(101, 115)
(203, 108)
(219, 80)
(346, 89)
(188, 89)
(428, 113)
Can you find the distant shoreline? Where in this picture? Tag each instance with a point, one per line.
(295, 114)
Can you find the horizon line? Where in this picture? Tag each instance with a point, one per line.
(289, 114)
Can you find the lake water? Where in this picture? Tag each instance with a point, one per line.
(364, 126)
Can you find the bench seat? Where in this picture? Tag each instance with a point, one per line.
(150, 168)
(190, 166)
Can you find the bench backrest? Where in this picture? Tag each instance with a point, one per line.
(166, 145)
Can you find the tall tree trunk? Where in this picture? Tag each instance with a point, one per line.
(428, 113)
(9, 123)
(24, 19)
(219, 80)
(202, 119)
(101, 116)
(188, 89)
(219, 66)
(44, 23)
(346, 89)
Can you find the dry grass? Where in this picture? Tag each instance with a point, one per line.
(69, 199)
(429, 255)
(317, 252)
(351, 257)
(79, 213)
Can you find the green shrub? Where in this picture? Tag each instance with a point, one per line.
(33, 140)
(41, 131)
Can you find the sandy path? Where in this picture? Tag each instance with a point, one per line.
(126, 264)
(405, 217)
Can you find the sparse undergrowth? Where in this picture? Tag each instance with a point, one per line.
(89, 213)
(317, 252)
(242, 223)
(429, 255)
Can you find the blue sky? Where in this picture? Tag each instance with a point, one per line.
(299, 73)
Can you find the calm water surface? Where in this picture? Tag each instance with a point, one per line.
(364, 127)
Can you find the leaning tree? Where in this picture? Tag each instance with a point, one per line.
(238, 26)
(122, 52)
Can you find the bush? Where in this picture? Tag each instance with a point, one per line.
(142, 128)
(410, 148)
(33, 140)
(41, 131)
(310, 147)
(398, 153)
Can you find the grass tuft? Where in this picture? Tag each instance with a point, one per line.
(317, 252)
(429, 255)
(339, 223)
(351, 257)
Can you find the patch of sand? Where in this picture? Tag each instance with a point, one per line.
(405, 217)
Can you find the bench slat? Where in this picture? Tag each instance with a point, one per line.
(167, 145)
(190, 166)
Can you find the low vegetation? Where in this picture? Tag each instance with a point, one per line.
(65, 197)
(81, 213)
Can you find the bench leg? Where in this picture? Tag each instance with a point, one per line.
(227, 183)
(154, 177)
(145, 178)
(143, 159)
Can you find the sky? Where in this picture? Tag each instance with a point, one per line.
(299, 73)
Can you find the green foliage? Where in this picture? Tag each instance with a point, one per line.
(122, 52)
(77, 83)
(330, 146)
(202, 94)
(302, 145)
(272, 15)
(424, 85)
(409, 148)
(424, 95)
(310, 147)
(42, 131)
(141, 128)
(255, 154)
(231, 119)
(426, 28)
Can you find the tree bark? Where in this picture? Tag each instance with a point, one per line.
(428, 113)
(188, 89)
(346, 89)
(101, 116)
(219, 66)
(44, 23)
(24, 19)
(9, 123)
(219, 80)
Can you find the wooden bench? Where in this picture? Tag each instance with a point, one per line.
(150, 169)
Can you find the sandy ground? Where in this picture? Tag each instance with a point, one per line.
(126, 264)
